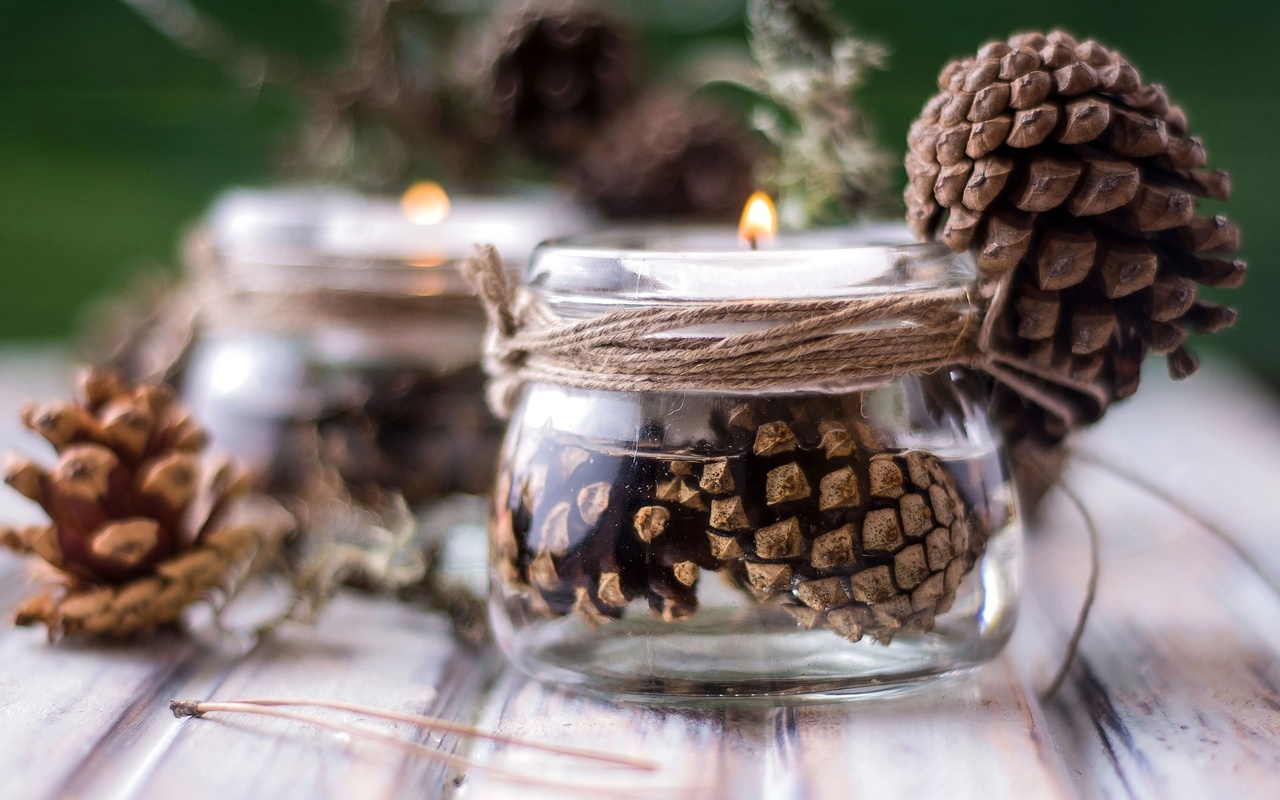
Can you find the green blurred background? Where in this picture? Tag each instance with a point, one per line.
(112, 139)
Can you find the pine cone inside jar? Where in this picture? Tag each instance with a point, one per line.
(670, 156)
(550, 72)
(589, 531)
(1075, 184)
(794, 504)
(417, 433)
(140, 526)
(819, 513)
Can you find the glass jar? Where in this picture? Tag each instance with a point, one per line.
(335, 331)
(819, 540)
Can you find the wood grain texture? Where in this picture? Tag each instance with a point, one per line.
(363, 651)
(1176, 695)
(702, 752)
(1177, 691)
(947, 740)
(987, 724)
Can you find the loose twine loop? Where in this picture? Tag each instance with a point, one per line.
(807, 341)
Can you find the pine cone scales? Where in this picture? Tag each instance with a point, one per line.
(793, 504)
(423, 436)
(669, 155)
(140, 526)
(1075, 185)
(551, 71)
(849, 535)
(590, 532)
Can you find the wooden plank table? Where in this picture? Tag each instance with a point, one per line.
(1176, 693)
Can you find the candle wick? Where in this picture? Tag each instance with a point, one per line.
(755, 242)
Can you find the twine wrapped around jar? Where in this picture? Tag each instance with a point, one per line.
(795, 341)
(814, 341)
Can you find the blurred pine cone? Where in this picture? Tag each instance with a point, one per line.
(383, 113)
(670, 156)
(548, 73)
(141, 527)
(424, 436)
(1074, 183)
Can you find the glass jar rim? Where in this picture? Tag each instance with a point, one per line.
(301, 239)
(691, 264)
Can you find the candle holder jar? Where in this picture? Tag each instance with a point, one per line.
(334, 331)
(813, 540)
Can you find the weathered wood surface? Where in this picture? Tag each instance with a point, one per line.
(1177, 692)
(978, 736)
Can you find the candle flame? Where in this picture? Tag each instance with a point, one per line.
(426, 260)
(759, 219)
(425, 203)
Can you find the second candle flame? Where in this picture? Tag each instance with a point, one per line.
(425, 203)
(759, 219)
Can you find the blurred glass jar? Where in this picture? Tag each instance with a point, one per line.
(335, 329)
(807, 542)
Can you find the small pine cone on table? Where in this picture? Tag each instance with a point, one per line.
(548, 73)
(140, 526)
(670, 156)
(1075, 184)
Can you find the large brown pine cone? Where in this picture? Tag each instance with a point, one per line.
(141, 526)
(1075, 185)
(550, 72)
(670, 156)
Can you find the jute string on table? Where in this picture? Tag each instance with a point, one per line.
(803, 341)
